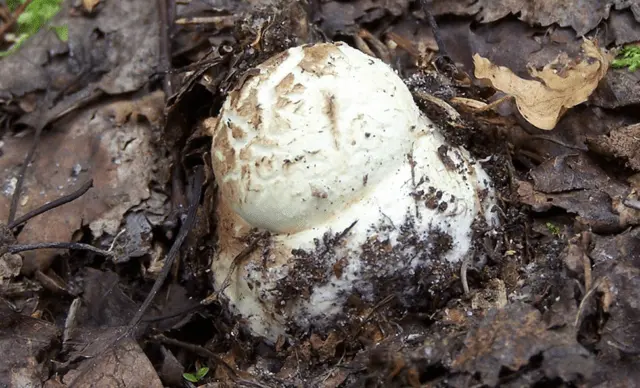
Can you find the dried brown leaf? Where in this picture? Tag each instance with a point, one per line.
(89, 5)
(561, 84)
(123, 161)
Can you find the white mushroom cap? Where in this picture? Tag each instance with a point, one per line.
(325, 136)
(295, 144)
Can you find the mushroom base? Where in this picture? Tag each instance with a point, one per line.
(406, 240)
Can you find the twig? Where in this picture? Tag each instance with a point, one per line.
(559, 142)
(166, 21)
(53, 204)
(197, 349)
(14, 18)
(225, 21)
(22, 173)
(375, 308)
(463, 274)
(632, 203)
(443, 54)
(196, 192)
(57, 245)
(113, 243)
(173, 315)
(236, 261)
(586, 262)
(583, 302)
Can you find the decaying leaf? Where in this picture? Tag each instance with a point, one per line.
(618, 293)
(623, 143)
(581, 15)
(507, 340)
(24, 343)
(123, 158)
(561, 84)
(578, 185)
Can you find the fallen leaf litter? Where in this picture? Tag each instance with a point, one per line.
(546, 291)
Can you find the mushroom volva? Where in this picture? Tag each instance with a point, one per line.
(332, 183)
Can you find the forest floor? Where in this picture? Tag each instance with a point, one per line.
(112, 113)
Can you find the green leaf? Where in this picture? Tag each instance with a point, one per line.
(202, 372)
(190, 377)
(62, 32)
(553, 229)
(34, 17)
(628, 57)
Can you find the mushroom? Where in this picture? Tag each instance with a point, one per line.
(332, 183)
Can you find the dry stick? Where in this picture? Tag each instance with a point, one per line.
(436, 31)
(14, 18)
(204, 352)
(53, 204)
(22, 173)
(236, 261)
(48, 118)
(197, 349)
(196, 192)
(166, 21)
(59, 245)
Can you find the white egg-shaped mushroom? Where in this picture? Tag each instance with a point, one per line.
(325, 151)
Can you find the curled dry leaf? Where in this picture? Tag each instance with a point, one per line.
(561, 84)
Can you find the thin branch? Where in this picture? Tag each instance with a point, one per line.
(197, 349)
(236, 261)
(57, 245)
(22, 173)
(443, 53)
(166, 22)
(197, 182)
(196, 192)
(53, 204)
(434, 28)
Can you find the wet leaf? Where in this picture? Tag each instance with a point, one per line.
(338, 17)
(543, 102)
(506, 341)
(115, 50)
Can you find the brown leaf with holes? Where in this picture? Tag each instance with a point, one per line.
(561, 84)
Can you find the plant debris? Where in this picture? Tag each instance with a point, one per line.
(113, 99)
(562, 84)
